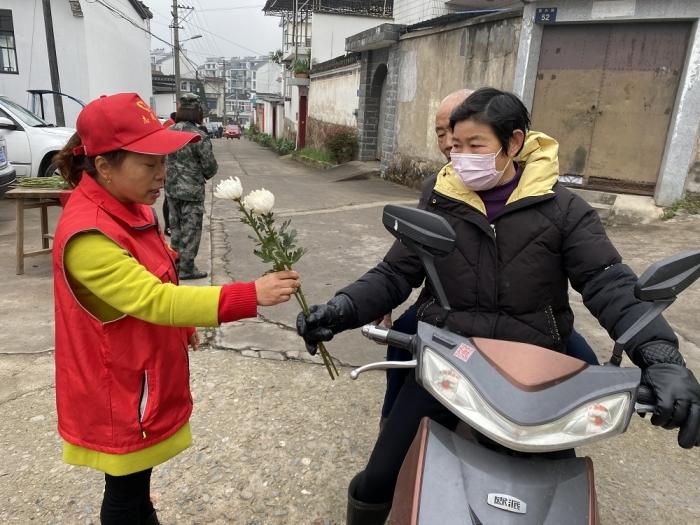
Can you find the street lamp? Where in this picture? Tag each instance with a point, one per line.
(176, 55)
(191, 38)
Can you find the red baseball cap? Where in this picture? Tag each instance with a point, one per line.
(125, 121)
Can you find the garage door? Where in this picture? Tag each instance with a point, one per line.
(606, 92)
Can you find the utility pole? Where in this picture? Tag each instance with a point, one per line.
(53, 63)
(225, 81)
(176, 52)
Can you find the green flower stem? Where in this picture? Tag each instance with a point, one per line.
(325, 355)
(299, 295)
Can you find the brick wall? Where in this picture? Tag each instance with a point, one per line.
(379, 68)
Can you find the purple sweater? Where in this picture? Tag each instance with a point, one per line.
(495, 198)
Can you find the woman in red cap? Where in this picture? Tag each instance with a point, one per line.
(123, 326)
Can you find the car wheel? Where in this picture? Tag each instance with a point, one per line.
(50, 171)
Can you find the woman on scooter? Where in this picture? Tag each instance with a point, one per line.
(521, 238)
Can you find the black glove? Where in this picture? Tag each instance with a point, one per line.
(677, 400)
(326, 320)
(656, 352)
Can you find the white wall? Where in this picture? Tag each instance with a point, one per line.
(267, 124)
(97, 54)
(268, 78)
(330, 32)
(118, 53)
(32, 55)
(164, 104)
(414, 11)
(333, 96)
(167, 67)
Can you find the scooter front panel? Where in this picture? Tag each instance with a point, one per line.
(465, 483)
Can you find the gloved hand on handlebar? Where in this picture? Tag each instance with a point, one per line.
(326, 320)
(676, 389)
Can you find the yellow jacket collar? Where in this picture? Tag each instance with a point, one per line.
(541, 171)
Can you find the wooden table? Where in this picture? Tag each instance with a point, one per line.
(29, 198)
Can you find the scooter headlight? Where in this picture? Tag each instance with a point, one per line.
(595, 420)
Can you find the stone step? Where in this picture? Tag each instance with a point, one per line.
(354, 170)
(620, 207)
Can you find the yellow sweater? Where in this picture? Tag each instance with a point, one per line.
(110, 283)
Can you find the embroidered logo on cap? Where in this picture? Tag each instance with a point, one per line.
(151, 116)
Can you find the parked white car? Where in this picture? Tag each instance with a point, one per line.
(7, 172)
(31, 142)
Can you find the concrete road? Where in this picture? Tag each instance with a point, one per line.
(275, 441)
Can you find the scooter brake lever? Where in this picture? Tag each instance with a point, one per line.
(383, 365)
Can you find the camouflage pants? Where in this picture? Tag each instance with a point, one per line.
(186, 231)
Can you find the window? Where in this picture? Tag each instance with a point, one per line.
(183, 86)
(8, 52)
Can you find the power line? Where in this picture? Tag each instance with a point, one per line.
(119, 14)
(227, 40)
(232, 8)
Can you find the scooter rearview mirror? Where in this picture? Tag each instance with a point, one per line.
(665, 279)
(660, 284)
(427, 230)
(427, 234)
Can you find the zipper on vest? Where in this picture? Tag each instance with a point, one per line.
(143, 401)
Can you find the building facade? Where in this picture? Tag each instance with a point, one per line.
(98, 51)
(614, 82)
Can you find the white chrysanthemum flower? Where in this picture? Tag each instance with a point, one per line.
(230, 188)
(259, 201)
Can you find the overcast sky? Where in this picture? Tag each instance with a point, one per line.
(228, 27)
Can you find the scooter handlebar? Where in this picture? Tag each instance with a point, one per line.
(646, 400)
(388, 336)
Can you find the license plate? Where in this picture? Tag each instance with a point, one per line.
(3, 157)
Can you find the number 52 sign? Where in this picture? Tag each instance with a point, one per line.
(545, 15)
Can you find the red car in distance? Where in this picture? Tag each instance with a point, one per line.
(232, 131)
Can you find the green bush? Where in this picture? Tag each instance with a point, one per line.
(265, 140)
(251, 132)
(300, 65)
(341, 142)
(284, 146)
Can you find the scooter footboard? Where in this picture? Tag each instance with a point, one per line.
(449, 480)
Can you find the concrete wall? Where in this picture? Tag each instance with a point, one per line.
(472, 55)
(330, 32)
(333, 95)
(693, 184)
(679, 153)
(97, 54)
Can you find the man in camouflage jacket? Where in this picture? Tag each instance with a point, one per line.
(188, 171)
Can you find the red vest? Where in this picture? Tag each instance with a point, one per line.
(123, 385)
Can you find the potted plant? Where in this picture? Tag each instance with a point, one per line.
(301, 68)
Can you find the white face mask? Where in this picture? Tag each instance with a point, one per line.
(478, 171)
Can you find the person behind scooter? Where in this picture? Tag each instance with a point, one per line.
(507, 279)
(541, 155)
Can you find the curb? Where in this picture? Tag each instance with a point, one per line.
(312, 162)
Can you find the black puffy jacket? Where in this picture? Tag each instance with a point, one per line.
(508, 279)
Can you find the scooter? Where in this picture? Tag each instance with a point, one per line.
(522, 400)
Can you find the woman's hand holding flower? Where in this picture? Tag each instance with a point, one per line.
(276, 288)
